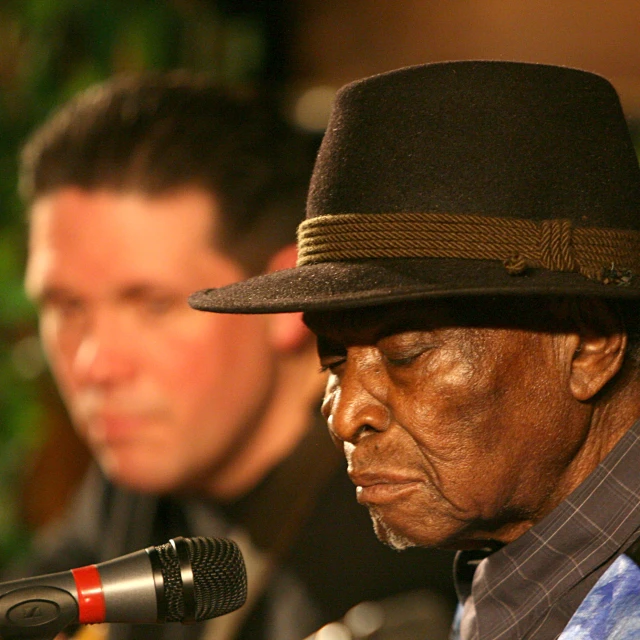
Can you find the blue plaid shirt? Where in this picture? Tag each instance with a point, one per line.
(532, 587)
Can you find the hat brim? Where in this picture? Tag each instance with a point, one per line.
(342, 285)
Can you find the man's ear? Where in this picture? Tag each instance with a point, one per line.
(601, 349)
(287, 330)
(285, 258)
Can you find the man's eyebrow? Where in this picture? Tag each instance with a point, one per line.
(48, 293)
(134, 291)
(152, 293)
(143, 289)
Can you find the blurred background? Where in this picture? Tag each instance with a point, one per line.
(304, 49)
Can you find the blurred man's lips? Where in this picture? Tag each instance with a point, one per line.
(115, 428)
(381, 488)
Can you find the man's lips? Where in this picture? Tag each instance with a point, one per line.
(112, 428)
(381, 488)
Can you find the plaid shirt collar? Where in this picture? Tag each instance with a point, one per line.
(531, 587)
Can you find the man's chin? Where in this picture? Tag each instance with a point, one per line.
(143, 477)
(403, 535)
(388, 536)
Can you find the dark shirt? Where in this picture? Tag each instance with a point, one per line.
(303, 516)
(530, 588)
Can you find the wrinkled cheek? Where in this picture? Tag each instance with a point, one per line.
(444, 438)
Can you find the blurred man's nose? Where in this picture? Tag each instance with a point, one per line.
(106, 351)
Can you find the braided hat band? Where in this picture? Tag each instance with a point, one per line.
(605, 255)
(462, 178)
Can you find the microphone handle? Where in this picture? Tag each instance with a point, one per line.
(126, 589)
(36, 612)
(132, 589)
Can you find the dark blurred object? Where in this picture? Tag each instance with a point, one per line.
(407, 616)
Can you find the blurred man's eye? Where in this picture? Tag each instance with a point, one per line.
(153, 302)
(63, 306)
(159, 305)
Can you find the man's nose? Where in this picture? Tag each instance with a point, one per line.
(354, 402)
(105, 353)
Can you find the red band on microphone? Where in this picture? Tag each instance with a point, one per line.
(91, 603)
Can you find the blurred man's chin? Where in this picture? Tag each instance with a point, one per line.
(138, 475)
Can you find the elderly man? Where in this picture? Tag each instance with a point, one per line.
(470, 265)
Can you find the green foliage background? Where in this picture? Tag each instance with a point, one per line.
(49, 50)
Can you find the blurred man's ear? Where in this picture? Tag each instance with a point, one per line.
(287, 330)
(601, 349)
(285, 258)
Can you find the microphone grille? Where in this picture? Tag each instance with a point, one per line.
(219, 578)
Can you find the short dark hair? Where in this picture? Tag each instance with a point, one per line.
(157, 132)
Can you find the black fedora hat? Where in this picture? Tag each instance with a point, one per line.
(462, 178)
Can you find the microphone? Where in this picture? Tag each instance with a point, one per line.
(185, 580)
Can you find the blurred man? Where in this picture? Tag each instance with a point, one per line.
(470, 263)
(139, 192)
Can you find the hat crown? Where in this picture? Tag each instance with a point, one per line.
(503, 139)
(458, 179)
